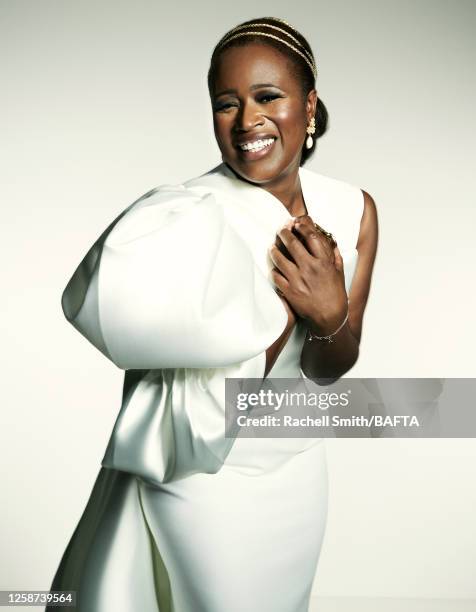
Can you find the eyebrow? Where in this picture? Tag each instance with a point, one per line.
(252, 88)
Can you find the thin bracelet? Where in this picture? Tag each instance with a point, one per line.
(328, 339)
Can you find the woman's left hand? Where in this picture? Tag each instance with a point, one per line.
(312, 281)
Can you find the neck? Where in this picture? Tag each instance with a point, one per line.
(288, 191)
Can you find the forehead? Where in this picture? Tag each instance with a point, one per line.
(243, 66)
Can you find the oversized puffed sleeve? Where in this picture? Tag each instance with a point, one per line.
(171, 284)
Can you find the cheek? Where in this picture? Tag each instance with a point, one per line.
(222, 127)
(291, 119)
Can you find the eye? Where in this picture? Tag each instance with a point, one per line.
(223, 106)
(266, 98)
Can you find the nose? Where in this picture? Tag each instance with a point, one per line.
(249, 117)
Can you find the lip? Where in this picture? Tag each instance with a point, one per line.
(252, 155)
(252, 137)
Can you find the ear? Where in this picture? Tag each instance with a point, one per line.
(311, 103)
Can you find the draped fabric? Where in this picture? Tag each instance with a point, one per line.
(177, 292)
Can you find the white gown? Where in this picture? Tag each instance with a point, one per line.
(177, 292)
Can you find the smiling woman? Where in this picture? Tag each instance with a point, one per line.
(250, 80)
(181, 516)
(265, 104)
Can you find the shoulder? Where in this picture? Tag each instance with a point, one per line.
(213, 179)
(341, 197)
(369, 203)
(167, 206)
(340, 191)
(328, 183)
(191, 189)
(368, 234)
(338, 203)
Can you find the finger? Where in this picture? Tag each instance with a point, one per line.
(307, 220)
(282, 263)
(330, 238)
(316, 242)
(303, 220)
(294, 246)
(280, 244)
(281, 283)
(338, 261)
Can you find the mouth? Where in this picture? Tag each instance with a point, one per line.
(255, 149)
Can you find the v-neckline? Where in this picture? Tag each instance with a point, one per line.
(281, 215)
(257, 191)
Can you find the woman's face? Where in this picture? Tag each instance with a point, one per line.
(260, 113)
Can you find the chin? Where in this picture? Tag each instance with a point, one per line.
(258, 173)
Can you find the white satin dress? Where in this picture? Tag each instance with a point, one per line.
(177, 292)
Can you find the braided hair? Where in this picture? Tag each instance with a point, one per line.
(283, 37)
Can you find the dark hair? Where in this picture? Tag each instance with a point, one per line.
(291, 43)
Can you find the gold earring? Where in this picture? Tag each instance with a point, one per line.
(310, 130)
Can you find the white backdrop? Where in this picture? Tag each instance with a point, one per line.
(104, 100)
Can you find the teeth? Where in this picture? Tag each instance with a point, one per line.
(257, 145)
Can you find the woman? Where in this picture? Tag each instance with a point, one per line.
(227, 275)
